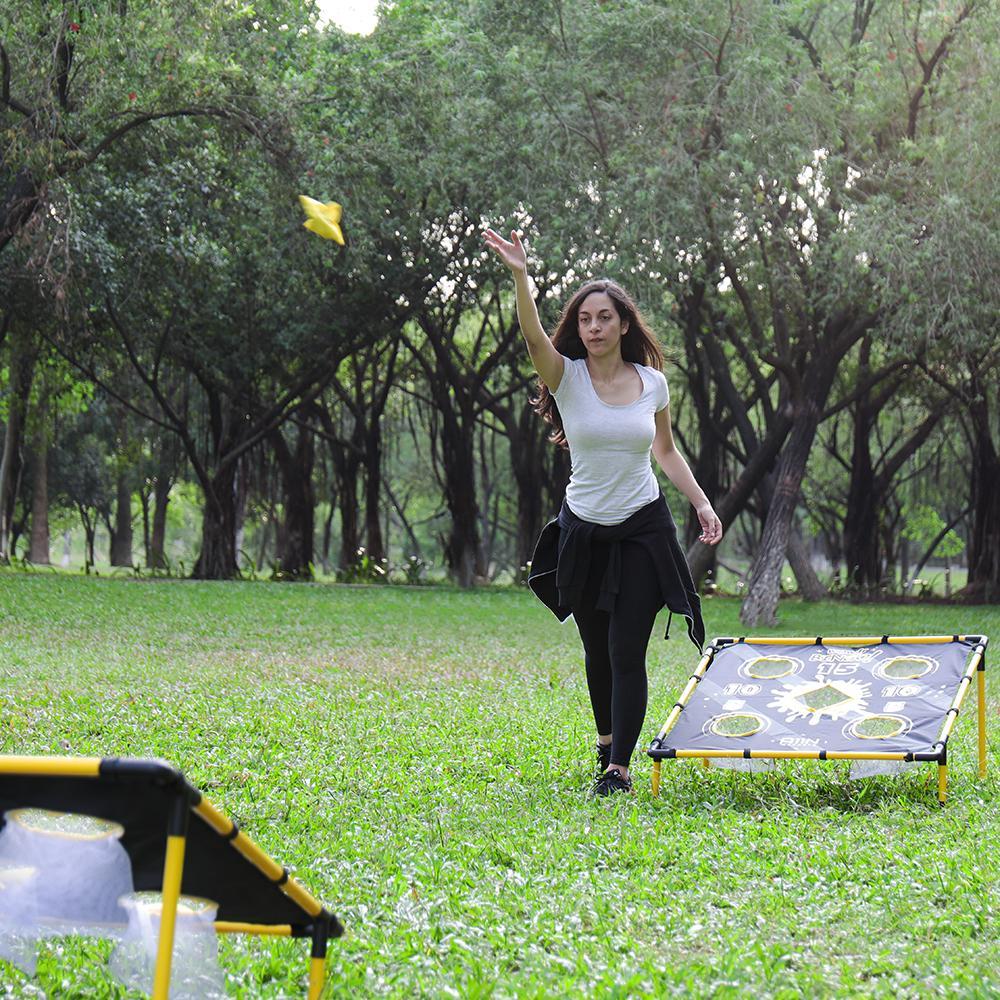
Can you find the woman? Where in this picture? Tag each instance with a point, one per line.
(611, 558)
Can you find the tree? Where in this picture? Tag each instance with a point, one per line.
(224, 345)
(80, 473)
(941, 192)
(72, 90)
(746, 161)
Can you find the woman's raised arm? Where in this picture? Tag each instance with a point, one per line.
(547, 360)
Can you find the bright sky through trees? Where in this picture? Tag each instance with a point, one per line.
(351, 15)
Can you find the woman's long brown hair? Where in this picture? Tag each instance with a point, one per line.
(639, 344)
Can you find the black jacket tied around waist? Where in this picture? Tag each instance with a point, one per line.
(562, 555)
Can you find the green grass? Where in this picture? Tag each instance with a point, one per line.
(419, 758)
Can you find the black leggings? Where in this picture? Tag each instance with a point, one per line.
(615, 644)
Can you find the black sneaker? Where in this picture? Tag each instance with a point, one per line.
(603, 759)
(610, 782)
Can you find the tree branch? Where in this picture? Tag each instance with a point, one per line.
(81, 158)
(928, 66)
(5, 97)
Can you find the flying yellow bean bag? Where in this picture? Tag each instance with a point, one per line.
(323, 219)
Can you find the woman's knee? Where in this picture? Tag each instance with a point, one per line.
(628, 654)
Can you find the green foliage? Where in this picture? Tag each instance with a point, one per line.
(922, 524)
(414, 570)
(80, 470)
(663, 143)
(364, 569)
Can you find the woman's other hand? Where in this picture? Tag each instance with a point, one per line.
(711, 526)
(512, 254)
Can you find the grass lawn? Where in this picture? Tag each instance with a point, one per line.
(419, 758)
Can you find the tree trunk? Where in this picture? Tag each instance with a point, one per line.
(18, 205)
(297, 556)
(984, 542)
(462, 546)
(89, 533)
(242, 495)
(528, 445)
(39, 550)
(158, 537)
(868, 537)
(761, 602)
(90, 538)
(144, 498)
(704, 354)
(327, 537)
(373, 490)
(702, 557)
(168, 460)
(810, 587)
(121, 537)
(263, 542)
(529, 503)
(21, 365)
(217, 559)
(862, 544)
(932, 547)
(556, 480)
(346, 464)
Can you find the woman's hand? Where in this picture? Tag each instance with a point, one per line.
(512, 254)
(711, 526)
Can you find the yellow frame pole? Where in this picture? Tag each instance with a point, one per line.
(964, 685)
(268, 867)
(173, 874)
(981, 699)
(847, 640)
(265, 864)
(675, 712)
(708, 755)
(173, 870)
(942, 783)
(692, 683)
(65, 767)
(317, 973)
(317, 962)
(240, 927)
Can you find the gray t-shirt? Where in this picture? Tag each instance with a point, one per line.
(609, 445)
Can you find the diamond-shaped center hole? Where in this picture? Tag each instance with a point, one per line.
(824, 696)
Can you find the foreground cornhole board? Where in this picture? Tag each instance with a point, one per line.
(177, 841)
(857, 698)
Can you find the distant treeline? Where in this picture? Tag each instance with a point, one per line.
(801, 197)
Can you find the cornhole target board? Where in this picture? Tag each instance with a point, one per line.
(177, 841)
(874, 698)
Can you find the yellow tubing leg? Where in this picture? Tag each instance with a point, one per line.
(942, 783)
(317, 970)
(656, 778)
(981, 691)
(173, 869)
